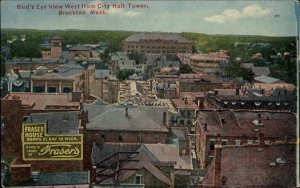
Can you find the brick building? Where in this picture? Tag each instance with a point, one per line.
(157, 43)
(16, 107)
(64, 123)
(122, 124)
(55, 49)
(251, 102)
(237, 128)
(203, 85)
(72, 76)
(252, 166)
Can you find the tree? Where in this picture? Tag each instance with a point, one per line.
(185, 69)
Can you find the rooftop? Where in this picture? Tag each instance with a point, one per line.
(212, 56)
(157, 36)
(184, 104)
(113, 117)
(266, 79)
(258, 71)
(252, 167)
(67, 70)
(241, 123)
(57, 122)
(44, 101)
(79, 48)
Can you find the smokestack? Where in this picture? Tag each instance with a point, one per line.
(217, 173)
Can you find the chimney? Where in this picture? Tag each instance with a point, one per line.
(165, 118)
(126, 112)
(217, 173)
(83, 116)
(186, 101)
(261, 139)
(94, 174)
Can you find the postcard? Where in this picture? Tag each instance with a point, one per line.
(108, 93)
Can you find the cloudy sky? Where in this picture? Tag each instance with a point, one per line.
(269, 17)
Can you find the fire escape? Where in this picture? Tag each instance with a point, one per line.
(110, 169)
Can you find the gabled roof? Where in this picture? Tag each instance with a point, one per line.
(144, 162)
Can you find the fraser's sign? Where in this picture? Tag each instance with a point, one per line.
(38, 145)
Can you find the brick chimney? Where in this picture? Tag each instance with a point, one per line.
(83, 116)
(261, 139)
(217, 173)
(94, 174)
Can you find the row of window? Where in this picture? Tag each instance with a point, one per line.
(139, 138)
(225, 141)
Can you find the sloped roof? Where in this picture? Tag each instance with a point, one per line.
(266, 79)
(144, 161)
(258, 71)
(112, 117)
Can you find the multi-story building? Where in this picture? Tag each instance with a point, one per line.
(55, 49)
(238, 128)
(157, 43)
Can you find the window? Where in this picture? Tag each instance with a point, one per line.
(2, 122)
(224, 142)
(102, 137)
(181, 122)
(157, 138)
(237, 142)
(211, 144)
(120, 138)
(139, 138)
(249, 141)
(138, 179)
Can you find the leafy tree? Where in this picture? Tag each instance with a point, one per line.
(123, 74)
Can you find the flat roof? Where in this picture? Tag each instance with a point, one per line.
(40, 101)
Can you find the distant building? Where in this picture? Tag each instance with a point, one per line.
(238, 128)
(55, 49)
(157, 43)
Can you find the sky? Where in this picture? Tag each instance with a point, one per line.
(268, 17)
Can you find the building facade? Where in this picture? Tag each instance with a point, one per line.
(157, 43)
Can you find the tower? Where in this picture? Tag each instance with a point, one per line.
(56, 47)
